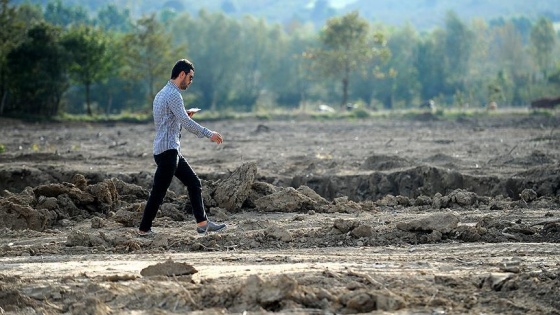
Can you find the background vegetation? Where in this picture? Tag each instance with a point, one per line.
(110, 58)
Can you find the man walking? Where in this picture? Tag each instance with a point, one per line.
(170, 117)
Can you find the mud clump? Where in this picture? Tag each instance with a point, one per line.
(44, 206)
(441, 222)
(169, 269)
(231, 192)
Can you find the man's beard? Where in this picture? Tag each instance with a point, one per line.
(184, 85)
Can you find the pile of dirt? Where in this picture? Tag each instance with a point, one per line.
(113, 201)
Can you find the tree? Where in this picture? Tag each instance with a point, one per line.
(148, 56)
(430, 68)
(89, 58)
(543, 38)
(509, 54)
(398, 77)
(58, 14)
(15, 23)
(37, 69)
(7, 42)
(259, 46)
(346, 46)
(294, 79)
(321, 11)
(111, 18)
(458, 45)
(214, 48)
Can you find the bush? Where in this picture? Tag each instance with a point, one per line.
(360, 113)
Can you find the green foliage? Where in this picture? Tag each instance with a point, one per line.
(458, 47)
(2, 148)
(12, 33)
(37, 70)
(543, 38)
(148, 54)
(245, 64)
(56, 13)
(125, 117)
(218, 62)
(112, 18)
(360, 113)
(347, 44)
(89, 60)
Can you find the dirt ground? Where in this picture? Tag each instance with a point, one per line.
(416, 215)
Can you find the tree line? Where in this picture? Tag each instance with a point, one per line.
(60, 59)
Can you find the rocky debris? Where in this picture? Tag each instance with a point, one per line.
(90, 305)
(79, 238)
(528, 195)
(45, 205)
(13, 301)
(384, 163)
(285, 200)
(345, 226)
(423, 201)
(365, 301)
(78, 196)
(257, 294)
(112, 200)
(279, 233)
(97, 223)
(258, 190)
(16, 216)
(129, 216)
(129, 192)
(440, 222)
(457, 198)
(80, 181)
(469, 233)
(388, 201)
(496, 280)
(362, 230)
(105, 195)
(342, 205)
(168, 268)
(463, 198)
(231, 192)
(429, 180)
(172, 211)
(354, 228)
(543, 179)
(320, 201)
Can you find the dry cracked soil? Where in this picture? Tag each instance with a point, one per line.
(413, 215)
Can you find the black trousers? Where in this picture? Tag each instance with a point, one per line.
(170, 163)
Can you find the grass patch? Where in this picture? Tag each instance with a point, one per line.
(138, 118)
(299, 114)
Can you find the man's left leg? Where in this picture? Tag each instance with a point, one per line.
(188, 177)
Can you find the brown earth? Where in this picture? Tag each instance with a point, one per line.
(417, 215)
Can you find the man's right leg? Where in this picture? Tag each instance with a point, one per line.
(166, 165)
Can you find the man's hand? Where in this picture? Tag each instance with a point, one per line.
(192, 111)
(216, 137)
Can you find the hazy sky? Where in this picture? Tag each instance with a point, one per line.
(334, 3)
(340, 3)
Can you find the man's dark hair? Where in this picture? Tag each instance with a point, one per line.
(181, 65)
